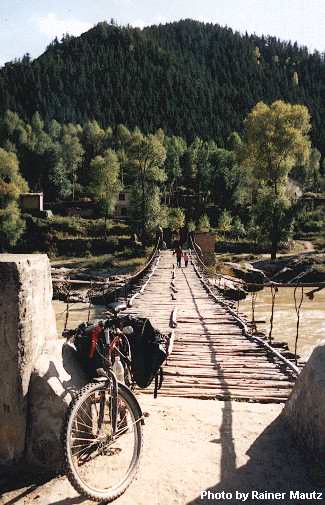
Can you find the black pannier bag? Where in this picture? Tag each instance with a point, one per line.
(149, 349)
(82, 342)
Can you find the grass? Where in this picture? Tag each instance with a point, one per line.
(86, 244)
(87, 262)
(121, 262)
(129, 263)
(72, 226)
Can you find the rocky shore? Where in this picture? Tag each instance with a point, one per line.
(308, 267)
(82, 289)
(236, 280)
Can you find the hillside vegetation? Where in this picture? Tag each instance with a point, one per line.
(182, 118)
(189, 78)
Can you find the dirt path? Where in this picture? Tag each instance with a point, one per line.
(194, 445)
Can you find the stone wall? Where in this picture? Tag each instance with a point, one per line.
(304, 411)
(27, 320)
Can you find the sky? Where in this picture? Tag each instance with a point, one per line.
(28, 26)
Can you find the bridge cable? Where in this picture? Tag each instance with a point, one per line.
(298, 304)
(67, 311)
(274, 291)
(254, 298)
(89, 296)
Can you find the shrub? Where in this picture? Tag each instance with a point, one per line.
(203, 223)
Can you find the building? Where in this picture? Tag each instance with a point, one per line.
(122, 205)
(31, 202)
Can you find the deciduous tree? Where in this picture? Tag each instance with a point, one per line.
(146, 156)
(11, 186)
(275, 139)
(104, 181)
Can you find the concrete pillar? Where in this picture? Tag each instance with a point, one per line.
(56, 378)
(27, 320)
(305, 408)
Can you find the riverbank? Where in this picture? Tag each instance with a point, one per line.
(191, 446)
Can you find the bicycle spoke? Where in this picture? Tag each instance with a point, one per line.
(81, 407)
(85, 449)
(77, 431)
(99, 461)
(85, 439)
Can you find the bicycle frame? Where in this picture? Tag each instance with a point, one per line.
(110, 378)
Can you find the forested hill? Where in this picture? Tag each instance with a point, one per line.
(187, 77)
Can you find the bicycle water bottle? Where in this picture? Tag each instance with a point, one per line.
(118, 369)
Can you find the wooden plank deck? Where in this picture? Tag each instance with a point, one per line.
(211, 357)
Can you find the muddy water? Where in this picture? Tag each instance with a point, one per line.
(312, 320)
(312, 317)
(78, 313)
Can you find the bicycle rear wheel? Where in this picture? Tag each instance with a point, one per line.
(99, 465)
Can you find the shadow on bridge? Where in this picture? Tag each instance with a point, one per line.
(228, 455)
(275, 464)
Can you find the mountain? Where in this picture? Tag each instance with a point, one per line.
(189, 78)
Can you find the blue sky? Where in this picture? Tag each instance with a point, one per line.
(29, 25)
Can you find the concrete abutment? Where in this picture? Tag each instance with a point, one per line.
(38, 374)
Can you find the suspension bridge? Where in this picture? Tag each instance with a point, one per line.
(212, 354)
(214, 351)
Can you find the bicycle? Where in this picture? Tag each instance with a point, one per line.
(102, 435)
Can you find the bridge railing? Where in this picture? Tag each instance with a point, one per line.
(246, 329)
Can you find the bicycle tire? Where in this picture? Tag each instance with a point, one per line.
(73, 476)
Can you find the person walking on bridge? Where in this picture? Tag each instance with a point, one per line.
(179, 253)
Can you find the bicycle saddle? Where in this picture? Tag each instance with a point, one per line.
(116, 307)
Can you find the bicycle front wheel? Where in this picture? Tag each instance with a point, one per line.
(99, 464)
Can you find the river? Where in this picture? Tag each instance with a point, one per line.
(312, 317)
(78, 313)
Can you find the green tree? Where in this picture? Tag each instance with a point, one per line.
(227, 179)
(176, 219)
(155, 213)
(313, 176)
(11, 225)
(238, 228)
(122, 135)
(275, 140)
(146, 157)
(36, 156)
(92, 139)
(225, 221)
(11, 186)
(104, 181)
(59, 180)
(175, 148)
(72, 156)
(191, 226)
(203, 224)
(55, 130)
